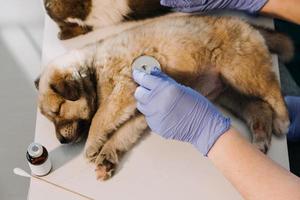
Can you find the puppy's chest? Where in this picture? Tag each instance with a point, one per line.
(113, 78)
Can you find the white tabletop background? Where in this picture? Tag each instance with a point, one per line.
(153, 169)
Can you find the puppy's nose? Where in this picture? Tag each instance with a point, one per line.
(63, 140)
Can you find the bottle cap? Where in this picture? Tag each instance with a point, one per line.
(35, 150)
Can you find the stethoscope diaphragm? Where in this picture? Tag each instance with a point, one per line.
(145, 63)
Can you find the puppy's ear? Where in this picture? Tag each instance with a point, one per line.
(37, 82)
(67, 88)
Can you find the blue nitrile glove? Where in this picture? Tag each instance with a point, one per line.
(178, 112)
(293, 104)
(251, 6)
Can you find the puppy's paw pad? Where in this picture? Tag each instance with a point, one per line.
(262, 132)
(106, 163)
(261, 125)
(103, 173)
(281, 126)
(105, 170)
(260, 128)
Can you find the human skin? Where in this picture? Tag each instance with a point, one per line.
(252, 173)
(267, 181)
(288, 10)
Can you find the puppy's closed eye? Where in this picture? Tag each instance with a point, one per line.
(68, 89)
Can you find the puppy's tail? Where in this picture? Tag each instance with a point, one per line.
(277, 42)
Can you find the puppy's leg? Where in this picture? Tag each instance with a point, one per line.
(113, 112)
(121, 141)
(259, 81)
(255, 112)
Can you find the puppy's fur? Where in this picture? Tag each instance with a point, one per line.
(224, 58)
(77, 17)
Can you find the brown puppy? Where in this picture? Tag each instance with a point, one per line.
(77, 17)
(224, 58)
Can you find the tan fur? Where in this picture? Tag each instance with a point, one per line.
(191, 49)
(120, 142)
(278, 43)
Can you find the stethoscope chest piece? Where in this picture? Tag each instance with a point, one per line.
(145, 63)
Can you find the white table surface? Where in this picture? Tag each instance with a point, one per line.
(153, 169)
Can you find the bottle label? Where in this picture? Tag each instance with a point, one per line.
(41, 170)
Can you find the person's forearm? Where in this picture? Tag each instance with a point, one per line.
(289, 9)
(252, 173)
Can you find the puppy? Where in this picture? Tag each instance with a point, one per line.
(90, 90)
(77, 17)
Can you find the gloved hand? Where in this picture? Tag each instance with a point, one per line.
(293, 104)
(178, 112)
(251, 6)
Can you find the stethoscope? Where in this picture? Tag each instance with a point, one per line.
(145, 63)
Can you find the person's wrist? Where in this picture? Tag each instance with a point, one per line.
(255, 6)
(206, 140)
(209, 122)
(223, 141)
(269, 7)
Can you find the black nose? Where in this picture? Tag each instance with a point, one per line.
(63, 140)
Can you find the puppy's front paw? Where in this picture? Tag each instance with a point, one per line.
(261, 129)
(91, 152)
(262, 145)
(106, 163)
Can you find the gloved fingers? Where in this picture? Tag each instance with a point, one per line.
(181, 3)
(156, 72)
(171, 3)
(142, 94)
(146, 80)
(164, 76)
(141, 108)
(293, 104)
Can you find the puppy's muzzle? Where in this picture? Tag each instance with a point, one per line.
(72, 131)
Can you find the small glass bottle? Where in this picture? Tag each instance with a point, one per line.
(38, 159)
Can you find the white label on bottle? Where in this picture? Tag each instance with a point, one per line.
(41, 170)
